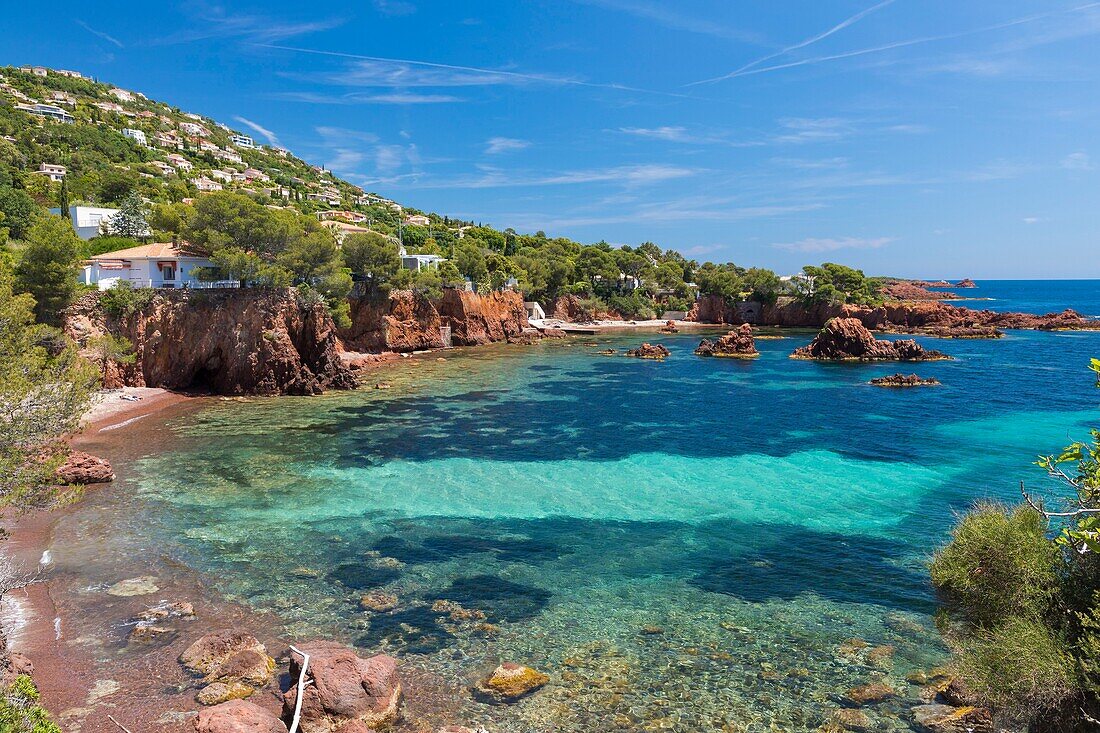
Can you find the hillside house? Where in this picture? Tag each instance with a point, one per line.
(418, 262)
(180, 162)
(52, 171)
(49, 111)
(121, 95)
(194, 128)
(159, 265)
(168, 140)
(136, 135)
(113, 107)
(88, 221)
(354, 217)
(242, 141)
(206, 185)
(534, 311)
(229, 156)
(418, 220)
(164, 168)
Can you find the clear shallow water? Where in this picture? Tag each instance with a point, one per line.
(760, 513)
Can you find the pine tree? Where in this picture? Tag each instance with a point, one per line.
(130, 221)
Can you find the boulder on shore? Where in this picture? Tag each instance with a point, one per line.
(84, 468)
(670, 327)
(234, 664)
(737, 344)
(649, 351)
(847, 339)
(509, 682)
(346, 692)
(904, 380)
(237, 716)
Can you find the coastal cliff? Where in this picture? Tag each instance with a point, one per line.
(226, 341)
(407, 321)
(930, 317)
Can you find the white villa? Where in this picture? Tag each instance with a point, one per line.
(149, 266)
(416, 263)
(136, 135)
(418, 220)
(52, 171)
(242, 141)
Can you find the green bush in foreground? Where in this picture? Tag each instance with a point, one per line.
(20, 711)
(1021, 588)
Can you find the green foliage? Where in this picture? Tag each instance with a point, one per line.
(44, 389)
(106, 243)
(1023, 602)
(839, 284)
(20, 711)
(17, 211)
(131, 219)
(998, 564)
(372, 256)
(124, 300)
(634, 306)
(48, 266)
(108, 349)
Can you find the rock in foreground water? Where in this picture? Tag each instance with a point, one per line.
(737, 344)
(346, 692)
(649, 351)
(847, 339)
(237, 716)
(510, 681)
(84, 468)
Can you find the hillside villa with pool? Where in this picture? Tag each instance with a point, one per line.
(159, 265)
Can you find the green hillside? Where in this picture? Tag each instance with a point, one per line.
(255, 208)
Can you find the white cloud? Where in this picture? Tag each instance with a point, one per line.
(664, 14)
(816, 245)
(498, 145)
(672, 134)
(394, 7)
(1031, 220)
(270, 136)
(627, 175)
(397, 98)
(1078, 161)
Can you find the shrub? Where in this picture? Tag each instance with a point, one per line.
(124, 300)
(998, 564)
(20, 711)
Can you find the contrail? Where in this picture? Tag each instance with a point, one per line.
(801, 44)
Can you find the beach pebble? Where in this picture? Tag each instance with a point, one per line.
(141, 586)
(509, 682)
(220, 692)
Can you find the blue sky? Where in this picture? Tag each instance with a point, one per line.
(909, 137)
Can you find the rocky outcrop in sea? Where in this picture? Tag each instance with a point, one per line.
(650, 351)
(737, 344)
(846, 339)
(904, 380)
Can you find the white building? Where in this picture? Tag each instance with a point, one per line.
(149, 266)
(112, 107)
(534, 311)
(242, 141)
(49, 111)
(418, 220)
(220, 175)
(121, 95)
(417, 263)
(193, 128)
(89, 221)
(136, 135)
(52, 171)
(164, 168)
(228, 156)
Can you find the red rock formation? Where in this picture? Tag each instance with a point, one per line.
(84, 468)
(570, 309)
(347, 693)
(649, 351)
(482, 319)
(669, 327)
(738, 344)
(237, 716)
(226, 341)
(403, 321)
(904, 380)
(408, 321)
(966, 283)
(931, 318)
(846, 339)
(903, 290)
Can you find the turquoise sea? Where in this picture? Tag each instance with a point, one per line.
(682, 545)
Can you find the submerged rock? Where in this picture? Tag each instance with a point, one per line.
(650, 351)
(738, 344)
(84, 468)
(947, 719)
(847, 339)
(870, 694)
(850, 719)
(237, 716)
(510, 681)
(904, 380)
(378, 601)
(345, 693)
(141, 586)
